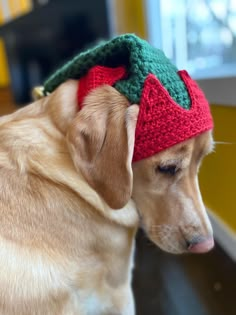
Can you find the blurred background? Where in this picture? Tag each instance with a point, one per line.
(37, 36)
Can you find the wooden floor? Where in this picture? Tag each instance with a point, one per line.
(166, 284)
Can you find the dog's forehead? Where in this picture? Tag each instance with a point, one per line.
(176, 152)
(202, 143)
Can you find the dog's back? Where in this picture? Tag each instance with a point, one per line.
(55, 248)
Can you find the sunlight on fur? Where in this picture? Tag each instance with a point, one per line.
(71, 202)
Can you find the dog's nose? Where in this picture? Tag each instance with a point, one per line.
(200, 244)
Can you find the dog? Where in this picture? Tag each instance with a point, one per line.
(71, 201)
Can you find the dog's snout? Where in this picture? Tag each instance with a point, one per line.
(200, 244)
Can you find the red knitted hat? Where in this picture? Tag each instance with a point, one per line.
(172, 107)
(161, 123)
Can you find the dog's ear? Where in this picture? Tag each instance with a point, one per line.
(101, 143)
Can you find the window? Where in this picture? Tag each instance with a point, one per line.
(197, 35)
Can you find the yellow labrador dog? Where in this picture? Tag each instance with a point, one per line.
(64, 250)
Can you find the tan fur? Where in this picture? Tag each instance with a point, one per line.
(171, 207)
(63, 249)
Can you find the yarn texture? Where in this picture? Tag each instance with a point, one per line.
(137, 56)
(172, 106)
(97, 76)
(162, 123)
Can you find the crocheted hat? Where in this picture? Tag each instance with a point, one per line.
(172, 106)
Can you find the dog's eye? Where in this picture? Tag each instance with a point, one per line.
(168, 169)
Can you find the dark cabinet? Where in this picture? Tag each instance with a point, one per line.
(38, 42)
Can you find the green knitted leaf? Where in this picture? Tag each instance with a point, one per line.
(139, 58)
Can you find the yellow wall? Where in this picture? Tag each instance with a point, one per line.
(4, 75)
(14, 9)
(19, 7)
(130, 17)
(218, 173)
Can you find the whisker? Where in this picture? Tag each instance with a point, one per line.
(224, 142)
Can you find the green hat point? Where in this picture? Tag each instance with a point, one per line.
(139, 58)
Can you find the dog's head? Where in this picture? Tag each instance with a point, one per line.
(95, 145)
(164, 187)
(167, 195)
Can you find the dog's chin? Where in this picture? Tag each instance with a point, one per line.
(175, 249)
(169, 246)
